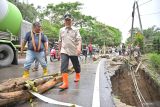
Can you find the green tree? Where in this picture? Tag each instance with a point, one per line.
(28, 11)
(51, 30)
(90, 29)
(138, 39)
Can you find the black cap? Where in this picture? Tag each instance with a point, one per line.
(37, 24)
(67, 16)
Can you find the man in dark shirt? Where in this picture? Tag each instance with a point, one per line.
(37, 62)
(37, 44)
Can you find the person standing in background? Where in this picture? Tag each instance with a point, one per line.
(90, 48)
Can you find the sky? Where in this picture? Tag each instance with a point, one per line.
(116, 13)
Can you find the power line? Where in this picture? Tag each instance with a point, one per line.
(136, 7)
(145, 3)
(151, 13)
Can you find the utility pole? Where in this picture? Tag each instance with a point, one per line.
(132, 21)
(139, 18)
(135, 6)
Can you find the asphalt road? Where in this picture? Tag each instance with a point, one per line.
(81, 93)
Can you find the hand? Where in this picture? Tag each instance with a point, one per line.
(59, 53)
(21, 53)
(46, 52)
(78, 51)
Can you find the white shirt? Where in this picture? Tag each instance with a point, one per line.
(69, 38)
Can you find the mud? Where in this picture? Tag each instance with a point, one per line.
(123, 88)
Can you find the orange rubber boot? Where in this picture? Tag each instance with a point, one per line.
(77, 77)
(65, 81)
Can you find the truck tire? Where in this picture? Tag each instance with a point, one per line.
(6, 55)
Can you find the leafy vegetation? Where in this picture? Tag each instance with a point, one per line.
(150, 37)
(155, 61)
(29, 13)
(52, 20)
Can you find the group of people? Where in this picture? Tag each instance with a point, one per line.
(127, 51)
(70, 42)
(87, 50)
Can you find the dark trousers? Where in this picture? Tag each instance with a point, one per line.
(65, 62)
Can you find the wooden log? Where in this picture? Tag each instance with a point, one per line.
(11, 90)
(115, 63)
(11, 83)
(23, 95)
(39, 81)
(13, 97)
(18, 83)
(48, 85)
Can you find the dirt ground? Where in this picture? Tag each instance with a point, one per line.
(123, 88)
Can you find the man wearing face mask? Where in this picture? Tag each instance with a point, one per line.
(70, 48)
(37, 44)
